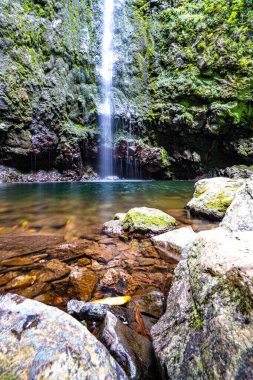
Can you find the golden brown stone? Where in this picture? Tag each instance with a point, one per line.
(21, 282)
(83, 282)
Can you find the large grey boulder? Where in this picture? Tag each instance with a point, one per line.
(42, 342)
(207, 329)
(140, 221)
(239, 216)
(213, 196)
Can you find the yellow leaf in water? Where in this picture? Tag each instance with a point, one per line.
(25, 223)
(114, 301)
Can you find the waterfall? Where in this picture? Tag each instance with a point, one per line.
(106, 159)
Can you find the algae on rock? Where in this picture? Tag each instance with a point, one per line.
(213, 196)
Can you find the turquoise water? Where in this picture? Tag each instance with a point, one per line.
(81, 208)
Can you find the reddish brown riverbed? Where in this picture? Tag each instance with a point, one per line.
(52, 248)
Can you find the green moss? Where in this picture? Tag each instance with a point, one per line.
(245, 167)
(220, 202)
(197, 319)
(165, 159)
(138, 220)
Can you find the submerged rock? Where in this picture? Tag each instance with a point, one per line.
(42, 342)
(174, 243)
(140, 221)
(207, 330)
(131, 350)
(53, 270)
(21, 282)
(83, 282)
(118, 281)
(213, 196)
(239, 216)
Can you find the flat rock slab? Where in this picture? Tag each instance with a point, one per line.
(42, 342)
(13, 245)
(173, 243)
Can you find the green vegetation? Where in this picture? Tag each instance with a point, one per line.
(183, 75)
(205, 58)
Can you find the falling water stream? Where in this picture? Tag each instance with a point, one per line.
(106, 160)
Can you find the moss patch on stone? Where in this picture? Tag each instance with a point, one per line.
(212, 197)
(145, 219)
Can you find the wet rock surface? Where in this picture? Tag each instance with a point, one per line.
(131, 350)
(206, 331)
(113, 228)
(137, 157)
(163, 105)
(38, 341)
(213, 196)
(34, 265)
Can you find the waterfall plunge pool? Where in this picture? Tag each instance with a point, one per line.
(51, 207)
(52, 248)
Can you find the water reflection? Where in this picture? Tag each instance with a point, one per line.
(81, 208)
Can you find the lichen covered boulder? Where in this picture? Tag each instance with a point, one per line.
(239, 216)
(42, 342)
(140, 221)
(146, 220)
(207, 330)
(213, 196)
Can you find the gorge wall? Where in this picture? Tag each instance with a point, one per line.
(182, 86)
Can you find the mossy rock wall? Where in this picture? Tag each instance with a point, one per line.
(49, 89)
(200, 81)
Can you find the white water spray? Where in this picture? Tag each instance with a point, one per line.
(106, 160)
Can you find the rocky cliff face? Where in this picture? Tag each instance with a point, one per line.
(182, 85)
(201, 82)
(48, 84)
